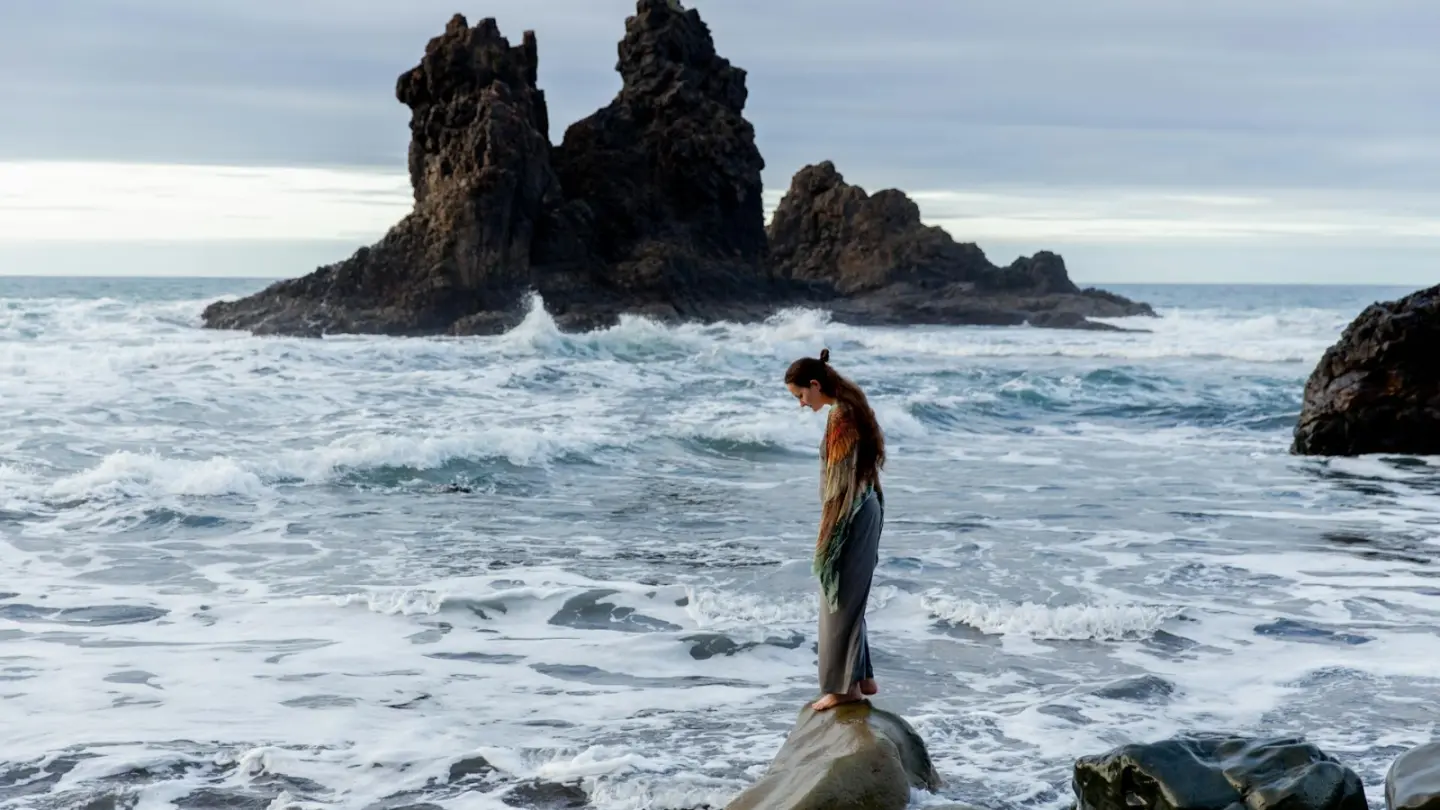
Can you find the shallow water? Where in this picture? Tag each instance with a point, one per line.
(264, 572)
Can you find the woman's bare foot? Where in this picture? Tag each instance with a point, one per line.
(830, 701)
(869, 687)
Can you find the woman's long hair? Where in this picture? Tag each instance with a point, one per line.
(871, 456)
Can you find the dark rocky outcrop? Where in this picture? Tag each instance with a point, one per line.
(1216, 772)
(670, 173)
(1413, 781)
(874, 252)
(484, 189)
(853, 757)
(653, 205)
(1377, 390)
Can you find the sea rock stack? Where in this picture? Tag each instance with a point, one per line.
(828, 231)
(1377, 390)
(874, 253)
(670, 172)
(480, 170)
(652, 206)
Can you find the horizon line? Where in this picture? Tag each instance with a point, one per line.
(1081, 284)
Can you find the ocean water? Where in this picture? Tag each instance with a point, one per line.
(550, 570)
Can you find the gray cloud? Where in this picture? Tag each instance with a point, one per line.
(920, 94)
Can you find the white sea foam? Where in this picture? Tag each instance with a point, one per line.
(721, 610)
(396, 601)
(129, 474)
(1065, 622)
(522, 446)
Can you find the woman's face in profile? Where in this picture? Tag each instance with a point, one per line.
(809, 396)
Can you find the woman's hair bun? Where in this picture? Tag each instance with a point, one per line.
(824, 355)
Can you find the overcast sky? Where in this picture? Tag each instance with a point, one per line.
(1157, 140)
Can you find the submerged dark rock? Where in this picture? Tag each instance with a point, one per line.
(1139, 689)
(852, 757)
(1377, 390)
(1302, 631)
(87, 616)
(1217, 772)
(652, 206)
(470, 767)
(547, 796)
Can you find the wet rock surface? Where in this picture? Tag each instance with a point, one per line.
(1215, 772)
(1377, 390)
(1413, 781)
(852, 757)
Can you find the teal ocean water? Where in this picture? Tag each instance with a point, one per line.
(276, 573)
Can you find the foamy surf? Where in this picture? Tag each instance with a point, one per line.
(482, 572)
(127, 474)
(1059, 623)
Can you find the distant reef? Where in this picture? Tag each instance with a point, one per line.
(652, 205)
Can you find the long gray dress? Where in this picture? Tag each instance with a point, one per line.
(844, 648)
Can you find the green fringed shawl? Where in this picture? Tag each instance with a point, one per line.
(841, 496)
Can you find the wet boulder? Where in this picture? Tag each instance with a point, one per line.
(853, 757)
(1413, 781)
(1217, 772)
(1377, 390)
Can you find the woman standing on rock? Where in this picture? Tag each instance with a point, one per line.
(852, 513)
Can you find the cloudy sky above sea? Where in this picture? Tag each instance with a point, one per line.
(1148, 140)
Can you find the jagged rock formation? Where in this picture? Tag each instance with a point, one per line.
(1377, 390)
(670, 171)
(479, 166)
(651, 206)
(874, 251)
(852, 757)
(828, 232)
(1217, 772)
